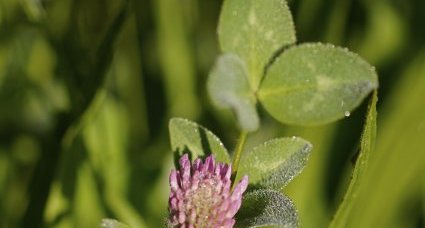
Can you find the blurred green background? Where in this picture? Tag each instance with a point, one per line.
(87, 88)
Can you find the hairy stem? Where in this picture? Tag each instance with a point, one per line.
(237, 153)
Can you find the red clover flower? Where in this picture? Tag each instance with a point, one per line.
(201, 194)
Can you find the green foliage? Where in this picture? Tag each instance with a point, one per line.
(87, 89)
(189, 137)
(255, 30)
(309, 84)
(112, 223)
(312, 207)
(229, 87)
(314, 84)
(396, 166)
(269, 166)
(267, 208)
(275, 163)
(367, 145)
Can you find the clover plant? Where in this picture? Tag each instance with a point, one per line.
(306, 84)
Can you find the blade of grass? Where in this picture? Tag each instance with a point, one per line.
(367, 144)
(396, 167)
(52, 144)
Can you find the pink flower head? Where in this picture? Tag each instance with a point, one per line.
(201, 196)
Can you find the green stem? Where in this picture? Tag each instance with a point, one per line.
(237, 153)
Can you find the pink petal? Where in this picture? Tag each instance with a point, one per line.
(197, 165)
(209, 164)
(173, 203)
(224, 206)
(185, 171)
(234, 207)
(226, 172)
(174, 180)
(218, 169)
(240, 188)
(182, 217)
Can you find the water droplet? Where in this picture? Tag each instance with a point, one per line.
(347, 113)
